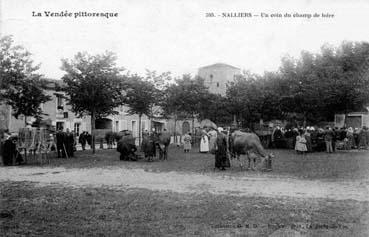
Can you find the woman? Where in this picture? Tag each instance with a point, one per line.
(187, 142)
(307, 136)
(204, 142)
(212, 139)
(350, 138)
(221, 160)
(300, 146)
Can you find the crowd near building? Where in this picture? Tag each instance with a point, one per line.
(59, 114)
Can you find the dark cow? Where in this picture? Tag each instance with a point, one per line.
(162, 142)
(244, 143)
(127, 148)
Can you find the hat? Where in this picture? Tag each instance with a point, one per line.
(220, 129)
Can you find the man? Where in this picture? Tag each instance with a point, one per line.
(60, 143)
(69, 143)
(82, 140)
(328, 138)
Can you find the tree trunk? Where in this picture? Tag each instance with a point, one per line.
(25, 121)
(93, 132)
(193, 125)
(175, 129)
(139, 129)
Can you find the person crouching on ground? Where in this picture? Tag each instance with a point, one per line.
(300, 146)
(187, 142)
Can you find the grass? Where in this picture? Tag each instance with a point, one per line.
(66, 211)
(340, 165)
(57, 210)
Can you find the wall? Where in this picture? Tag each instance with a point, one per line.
(217, 76)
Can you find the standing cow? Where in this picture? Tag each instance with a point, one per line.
(244, 143)
(163, 142)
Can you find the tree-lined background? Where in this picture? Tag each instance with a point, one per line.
(310, 89)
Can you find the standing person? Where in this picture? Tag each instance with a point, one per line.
(307, 136)
(204, 142)
(69, 142)
(362, 138)
(356, 137)
(187, 142)
(300, 146)
(328, 138)
(60, 143)
(350, 138)
(221, 150)
(88, 139)
(9, 151)
(82, 140)
(212, 134)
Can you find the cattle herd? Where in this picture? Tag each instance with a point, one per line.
(241, 146)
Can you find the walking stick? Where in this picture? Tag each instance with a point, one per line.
(65, 150)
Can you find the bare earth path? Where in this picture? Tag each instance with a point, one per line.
(121, 178)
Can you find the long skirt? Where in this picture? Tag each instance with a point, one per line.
(187, 145)
(212, 144)
(204, 144)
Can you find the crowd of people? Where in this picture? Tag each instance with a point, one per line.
(327, 139)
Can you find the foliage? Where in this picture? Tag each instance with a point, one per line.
(93, 85)
(20, 85)
(313, 87)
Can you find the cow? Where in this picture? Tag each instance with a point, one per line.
(162, 142)
(245, 143)
(127, 148)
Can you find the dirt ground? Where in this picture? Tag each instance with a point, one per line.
(98, 195)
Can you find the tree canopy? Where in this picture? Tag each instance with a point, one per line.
(93, 85)
(20, 84)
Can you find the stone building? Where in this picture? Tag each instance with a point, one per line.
(217, 76)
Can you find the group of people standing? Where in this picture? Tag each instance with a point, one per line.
(345, 139)
(212, 141)
(65, 143)
(8, 149)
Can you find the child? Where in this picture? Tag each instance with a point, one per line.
(300, 146)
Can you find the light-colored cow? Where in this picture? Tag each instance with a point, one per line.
(243, 143)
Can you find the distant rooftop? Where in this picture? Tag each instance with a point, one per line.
(220, 65)
(53, 84)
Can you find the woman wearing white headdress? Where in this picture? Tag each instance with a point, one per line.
(204, 142)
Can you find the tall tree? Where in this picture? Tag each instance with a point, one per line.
(93, 85)
(186, 97)
(20, 85)
(140, 97)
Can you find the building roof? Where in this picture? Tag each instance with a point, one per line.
(219, 65)
(53, 84)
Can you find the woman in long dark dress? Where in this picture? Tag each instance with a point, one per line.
(221, 151)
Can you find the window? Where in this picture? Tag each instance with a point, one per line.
(59, 101)
(217, 84)
(117, 126)
(65, 114)
(76, 128)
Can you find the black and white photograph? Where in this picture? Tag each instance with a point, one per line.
(184, 118)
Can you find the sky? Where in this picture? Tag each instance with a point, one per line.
(177, 35)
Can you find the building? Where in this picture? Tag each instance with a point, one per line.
(217, 76)
(353, 119)
(60, 114)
